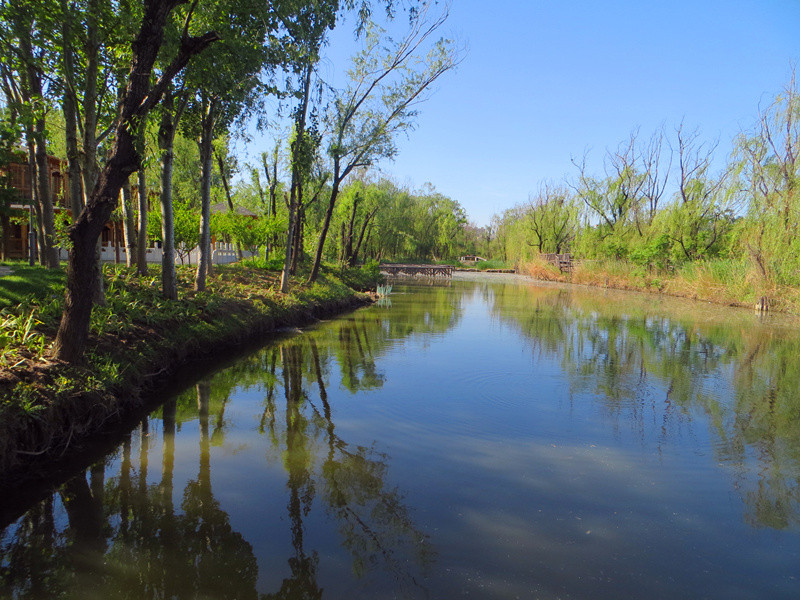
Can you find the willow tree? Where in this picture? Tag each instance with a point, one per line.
(768, 161)
(140, 97)
(388, 80)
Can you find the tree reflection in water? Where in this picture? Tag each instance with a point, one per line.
(122, 536)
(666, 366)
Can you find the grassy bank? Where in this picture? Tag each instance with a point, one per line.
(722, 281)
(137, 341)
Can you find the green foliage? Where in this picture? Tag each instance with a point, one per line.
(366, 277)
(652, 254)
(397, 224)
(186, 229)
(248, 231)
(17, 332)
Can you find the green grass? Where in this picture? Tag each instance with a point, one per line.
(482, 265)
(136, 325)
(26, 283)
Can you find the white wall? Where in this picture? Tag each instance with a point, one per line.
(221, 254)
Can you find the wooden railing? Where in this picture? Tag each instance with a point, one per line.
(563, 262)
(418, 270)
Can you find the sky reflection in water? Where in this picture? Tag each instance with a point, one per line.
(495, 440)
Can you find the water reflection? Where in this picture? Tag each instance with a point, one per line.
(123, 536)
(665, 370)
(544, 442)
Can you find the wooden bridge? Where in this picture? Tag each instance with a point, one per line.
(418, 270)
(563, 262)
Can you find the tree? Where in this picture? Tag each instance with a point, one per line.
(702, 214)
(552, 218)
(308, 32)
(387, 82)
(24, 83)
(139, 98)
(225, 87)
(171, 110)
(768, 164)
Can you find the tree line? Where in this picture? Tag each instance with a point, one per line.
(668, 200)
(135, 87)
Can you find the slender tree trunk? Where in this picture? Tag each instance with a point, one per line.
(297, 174)
(92, 48)
(206, 135)
(357, 249)
(166, 141)
(348, 248)
(71, 118)
(287, 262)
(297, 243)
(272, 182)
(129, 225)
(35, 201)
(223, 174)
(326, 223)
(89, 167)
(141, 240)
(44, 197)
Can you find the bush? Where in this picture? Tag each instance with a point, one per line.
(483, 265)
(366, 277)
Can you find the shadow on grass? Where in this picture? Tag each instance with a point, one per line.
(24, 282)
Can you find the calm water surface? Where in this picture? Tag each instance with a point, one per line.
(485, 439)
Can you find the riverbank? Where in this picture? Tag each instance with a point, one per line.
(722, 282)
(50, 410)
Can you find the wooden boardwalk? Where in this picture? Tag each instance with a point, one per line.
(418, 270)
(563, 262)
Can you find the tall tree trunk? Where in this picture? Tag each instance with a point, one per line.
(36, 209)
(348, 248)
(297, 243)
(92, 49)
(326, 223)
(89, 168)
(71, 117)
(354, 256)
(166, 142)
(82, 268)
(44, 198)
(129, 224)
(287, 262)
(272, 182)
(141, 242)
(206, 137)
(225, 184)
(297, 174)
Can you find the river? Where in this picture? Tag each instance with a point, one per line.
(490, 437)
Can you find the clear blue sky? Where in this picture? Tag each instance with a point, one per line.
(543, 81)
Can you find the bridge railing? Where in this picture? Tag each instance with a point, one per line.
(417, 270)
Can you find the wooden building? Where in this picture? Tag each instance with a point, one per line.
(15, 227)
